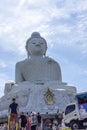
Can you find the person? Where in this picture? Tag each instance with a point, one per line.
(19, 122)
(55, 124)
(13, 110)
(28, 126)
(47, 124)
(59, 118)
(37, 67)
(39, 121)
(23, 121)
(33, 121)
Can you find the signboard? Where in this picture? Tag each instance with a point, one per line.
(82, 104)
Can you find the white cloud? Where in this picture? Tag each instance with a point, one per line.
(85, 72)
(2, 64)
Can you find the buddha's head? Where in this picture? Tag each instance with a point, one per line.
(36, 45)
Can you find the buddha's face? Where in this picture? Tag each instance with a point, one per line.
(36, 46)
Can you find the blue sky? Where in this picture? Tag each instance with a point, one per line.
(63, 23)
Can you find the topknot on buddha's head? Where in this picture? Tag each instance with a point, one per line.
(35, 35)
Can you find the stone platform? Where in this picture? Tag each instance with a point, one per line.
(39, 97)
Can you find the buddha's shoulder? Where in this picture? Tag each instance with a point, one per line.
(21, 63)
(50, 60)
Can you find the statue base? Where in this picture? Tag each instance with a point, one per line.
(39, 96)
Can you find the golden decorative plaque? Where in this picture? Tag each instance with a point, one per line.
(49, 97)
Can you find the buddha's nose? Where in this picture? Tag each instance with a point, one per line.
(37, 44)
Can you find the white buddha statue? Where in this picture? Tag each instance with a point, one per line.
(38, 81)
(38, 67)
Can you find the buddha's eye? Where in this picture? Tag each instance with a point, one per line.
(33, 43)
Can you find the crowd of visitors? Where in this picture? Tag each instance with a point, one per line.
(29, 120)
(25, 121)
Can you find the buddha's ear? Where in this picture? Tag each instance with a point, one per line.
(28, 53)
(45, 49)
(26, 47)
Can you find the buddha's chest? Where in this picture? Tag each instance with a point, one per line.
(37, 66)
(38, 69)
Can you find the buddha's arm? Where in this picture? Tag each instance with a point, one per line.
(18, 73)
(57, 69)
